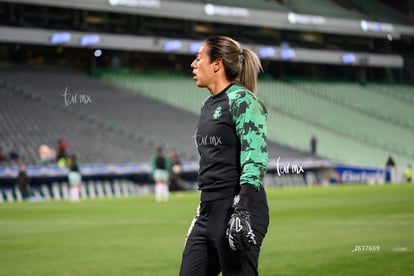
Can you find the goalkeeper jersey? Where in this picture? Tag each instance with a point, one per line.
(231, 141)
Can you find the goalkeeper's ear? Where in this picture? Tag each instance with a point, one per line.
(246, 197)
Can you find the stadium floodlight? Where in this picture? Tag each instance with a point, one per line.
(367, 26)
(149, 4)
(172, 45)
(60, 38)
(193, 48)
(267, 52)
(287, 53)
(295, 18)
(348, 58)
(97, 53)
(216, 10)
(91, 39)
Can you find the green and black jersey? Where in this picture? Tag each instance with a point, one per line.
(231, 140)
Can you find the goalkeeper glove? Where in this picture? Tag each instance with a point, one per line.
(239, 231)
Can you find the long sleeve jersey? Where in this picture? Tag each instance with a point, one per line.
(231, 140)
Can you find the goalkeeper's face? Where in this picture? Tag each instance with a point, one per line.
(204, 71)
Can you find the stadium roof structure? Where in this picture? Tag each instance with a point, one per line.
(244, 14)
(287, 20)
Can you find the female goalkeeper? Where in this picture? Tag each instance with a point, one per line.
(233, 215)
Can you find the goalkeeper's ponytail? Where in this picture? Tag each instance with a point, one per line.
(241, 65)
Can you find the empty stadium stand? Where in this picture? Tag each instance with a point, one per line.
(116, 126)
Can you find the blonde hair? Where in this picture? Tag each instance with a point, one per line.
(240, 65)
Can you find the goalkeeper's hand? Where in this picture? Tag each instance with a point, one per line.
(239, 231)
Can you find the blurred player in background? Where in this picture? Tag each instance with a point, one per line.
(23, 183)
(160, 166)
(408, 173)
(176, 182)
(233, 215)
(74, 177)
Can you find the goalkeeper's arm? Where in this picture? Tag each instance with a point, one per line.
(250, 117)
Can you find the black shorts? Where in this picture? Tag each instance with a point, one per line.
(207, 251)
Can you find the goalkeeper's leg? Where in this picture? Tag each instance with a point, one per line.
(207, 250)
(199, 257)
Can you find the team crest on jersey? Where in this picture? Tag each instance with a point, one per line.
(217, 113)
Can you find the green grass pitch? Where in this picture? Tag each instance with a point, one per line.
(339, 230)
